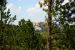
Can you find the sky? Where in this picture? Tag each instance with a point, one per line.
(27, 9)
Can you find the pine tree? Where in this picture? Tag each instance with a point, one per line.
(5, 18)
(65, 18)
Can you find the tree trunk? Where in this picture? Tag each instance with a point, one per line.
(49, 25)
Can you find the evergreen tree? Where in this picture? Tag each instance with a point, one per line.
(5, 17)
(63, 21)
(64, 17)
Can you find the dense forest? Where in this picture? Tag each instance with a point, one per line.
(60, 23)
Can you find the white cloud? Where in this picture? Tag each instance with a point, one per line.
(30, 12)
(37, 5)
(14, 9)
(33, 10)
(9, 5)
(65, 1)
(17, 9)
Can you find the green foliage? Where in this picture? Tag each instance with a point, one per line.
(63, 27)
(21, 37)
(33, 41)
(24, 37)
(18, 37)
(66, 39)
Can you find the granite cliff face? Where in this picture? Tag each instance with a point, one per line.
(39, 26)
